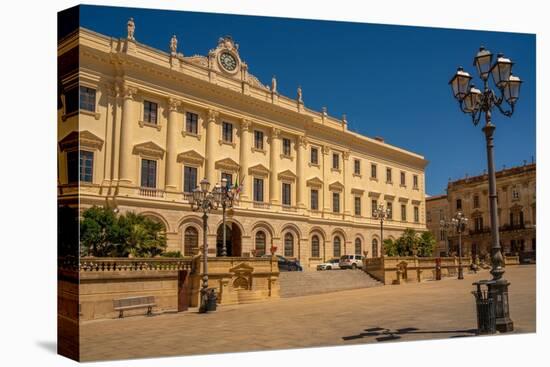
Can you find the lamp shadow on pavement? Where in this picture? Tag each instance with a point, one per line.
(383, 334)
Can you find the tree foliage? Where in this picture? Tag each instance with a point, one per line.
(103, 233)
(411, 243)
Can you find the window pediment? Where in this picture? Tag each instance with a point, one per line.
(259, 170)
(190, 156)
(314, 182)
(357, 191)
(389, 197)
(148, 149)
(416, 202)
(336, 186)
(287, 175)
(374, 194)
(84, 139)
(403, 199)
(227, 164)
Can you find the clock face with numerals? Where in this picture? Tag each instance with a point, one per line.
(228, 61)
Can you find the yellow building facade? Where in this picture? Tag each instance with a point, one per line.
(516, 197)
(139, 128)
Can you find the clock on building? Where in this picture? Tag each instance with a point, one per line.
(228, 61)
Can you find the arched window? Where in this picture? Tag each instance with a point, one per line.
(289, 244)
(337, 246)
(260, 243)
(315, 246)
(191, 241)
(358, 246)
(374, 247)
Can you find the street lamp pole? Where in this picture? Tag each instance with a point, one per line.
(474, 102)
(459, 222)
(381, 213)
(205, 201)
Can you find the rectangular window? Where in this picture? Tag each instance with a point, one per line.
(258, 140)
(403, 212)
(336, 202)
(357, 205)
(314, 199)
(357, 166)
(258, 190)
(227, 132)
(191, 123)
(86, 166)
(335, 161)
(148, 173)
(458, 204)
(314, 155)
(189, 179)
(150, 112)
(71, 100)
(402, 178)
(87, 99)
(416, 215)
(228, 177)
(388, 175)
(476, 201)
(287, 199)
(389, 207)
(374, 205)
(72, 166)
(415, 182)
(428, 216)
(373, 170)
(286, 147)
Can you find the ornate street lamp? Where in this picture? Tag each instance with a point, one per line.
(446, 226)
(205, 201)
(459, 222)
(381, 213)
(228, 194)
(475, 103)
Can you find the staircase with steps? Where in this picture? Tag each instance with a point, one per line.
(299, 283)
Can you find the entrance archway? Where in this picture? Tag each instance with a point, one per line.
(232, 241)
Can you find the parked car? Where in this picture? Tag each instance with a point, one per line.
(287, 264)
(329, 265)
(351, 261)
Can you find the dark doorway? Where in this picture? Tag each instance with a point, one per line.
(183, 295)
(232, 242)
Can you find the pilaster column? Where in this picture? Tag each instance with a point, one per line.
(347, 200)
(171, 145)
(244, 155)
(211, 127)
(274, 151)
(326, 172)
(300, 171)
(125, 168)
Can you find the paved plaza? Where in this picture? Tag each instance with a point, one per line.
(432, 309)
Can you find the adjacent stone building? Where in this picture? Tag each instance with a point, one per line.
(140, 127)
(516, 190)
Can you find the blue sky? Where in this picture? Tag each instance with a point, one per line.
(391, 81)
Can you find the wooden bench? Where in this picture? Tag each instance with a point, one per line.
(131, 303)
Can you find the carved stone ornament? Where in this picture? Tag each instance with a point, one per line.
(127, 92)
(84, 139)
(275, 133)
(131, 29)
(213, 115)
(149, 149)
(299, 96)
(173, 45)
(190, 156)
(345, 155)
(173, 104)
(245, 124)
(302, 141)
(228, 43)
(325, 149)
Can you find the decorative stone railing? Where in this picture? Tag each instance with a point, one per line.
(98, 264)
(261, 205)
(151, 192)
(288, 208)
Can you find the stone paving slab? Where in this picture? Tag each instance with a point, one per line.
(433, 309)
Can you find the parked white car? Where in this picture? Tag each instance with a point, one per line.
(351, 261)
(329, 265)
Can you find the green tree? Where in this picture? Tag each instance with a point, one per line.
(103, 233)
(426, 244)
(390, 247)
(98, 232)
(140, 236)
(407, 243)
